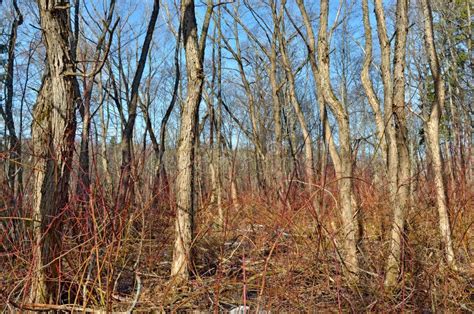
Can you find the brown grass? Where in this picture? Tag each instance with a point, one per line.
(271, 255)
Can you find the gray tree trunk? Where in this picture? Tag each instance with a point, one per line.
(400, 197)
(432, 134)
(342, 159)
(185, 181)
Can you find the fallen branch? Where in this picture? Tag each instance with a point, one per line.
(37, 307)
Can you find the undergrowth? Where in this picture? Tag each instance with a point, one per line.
(272, 254)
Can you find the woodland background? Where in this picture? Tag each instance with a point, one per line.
(276, 155)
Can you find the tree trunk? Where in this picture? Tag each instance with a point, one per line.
(367, 84)
(307, 139)
(432, 136)
(218, 157)
(53, 131)
(350, 227)
(280, 173)
(126, 189)
(84, 181)
(400, 198)
(104, 123)
(185, 188)
(343, 159)
(14, 164)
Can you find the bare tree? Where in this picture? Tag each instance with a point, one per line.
(260, 159)
(350, 227)
(342, 159)
(256, 133)
(391, 124)
(215, 121)
(160, 179)
(53, 132)
(101, 51)
(125, 191)
(194, 47)
(271, 51)
(398, 158)
(432, 130)
(14, 166)
(290, 76)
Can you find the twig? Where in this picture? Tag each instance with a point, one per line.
(38, 307)
(137, 295)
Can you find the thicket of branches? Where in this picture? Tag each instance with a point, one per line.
(273, 155)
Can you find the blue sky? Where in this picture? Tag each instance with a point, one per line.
(134, 16)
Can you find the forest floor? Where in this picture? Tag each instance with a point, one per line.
(271, 256)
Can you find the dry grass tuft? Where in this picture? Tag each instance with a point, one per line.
(270, 255)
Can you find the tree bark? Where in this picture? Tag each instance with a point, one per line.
(367, 83)
(215, 131)
(53, 131)
(218, 157)
(400, 198)
(432, 136)
(185, 181)
(350, 227)
(390, 135)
